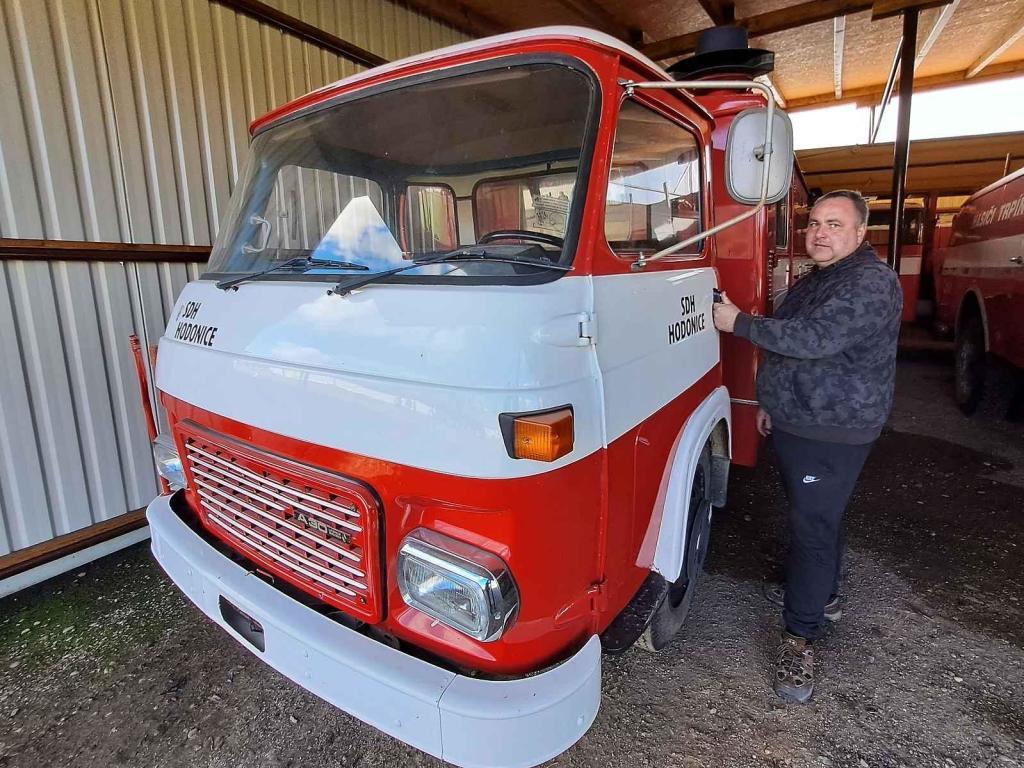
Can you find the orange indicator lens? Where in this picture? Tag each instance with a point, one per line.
(545, 436)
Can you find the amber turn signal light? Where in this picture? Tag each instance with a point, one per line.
(541, 436)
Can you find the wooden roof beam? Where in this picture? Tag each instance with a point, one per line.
(869, 95)
(937, 27)
(764, 24)
(719, 11)
(838, 43)
(883, 9)
(599, 17)
(307, 32)
(1013, 32)
(460, 16)
(790, 18)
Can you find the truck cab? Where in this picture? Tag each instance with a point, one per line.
(447, 414)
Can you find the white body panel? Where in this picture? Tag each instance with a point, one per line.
(380, 371)
(643, 369)
(415, 374)
(463, 720)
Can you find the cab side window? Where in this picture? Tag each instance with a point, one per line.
(654, 187)
(782, 223)
(428, 219)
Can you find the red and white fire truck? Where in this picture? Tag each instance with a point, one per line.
(911, 251)
(448, 412)
(979, 285)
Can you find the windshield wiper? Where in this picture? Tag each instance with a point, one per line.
(306, 262)
(468, 254)
(461, 254)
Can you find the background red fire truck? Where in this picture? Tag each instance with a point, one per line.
(979, 287)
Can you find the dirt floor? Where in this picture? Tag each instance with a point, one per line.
(108, 666)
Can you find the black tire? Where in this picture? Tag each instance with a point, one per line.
(671, 612)
(970, 364)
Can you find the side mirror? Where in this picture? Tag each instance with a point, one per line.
(744, 157)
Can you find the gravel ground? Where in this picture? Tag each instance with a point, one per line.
(109, 666)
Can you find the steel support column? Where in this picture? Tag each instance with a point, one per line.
(901, 151)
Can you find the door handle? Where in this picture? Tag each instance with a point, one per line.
(1017, 259)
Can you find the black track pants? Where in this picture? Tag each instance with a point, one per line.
(819, 477)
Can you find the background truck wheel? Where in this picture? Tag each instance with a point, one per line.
(675, 603)
(983, 384)
(970, 365)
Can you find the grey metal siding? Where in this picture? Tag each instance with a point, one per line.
(126, 121)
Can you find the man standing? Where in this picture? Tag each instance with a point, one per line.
(825, 389)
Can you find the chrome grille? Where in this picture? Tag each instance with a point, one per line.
(308, 526)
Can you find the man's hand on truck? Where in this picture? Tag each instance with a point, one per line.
(724, 314)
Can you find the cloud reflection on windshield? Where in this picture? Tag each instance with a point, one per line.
(361, 236)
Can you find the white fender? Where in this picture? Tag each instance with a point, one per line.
(666, 531)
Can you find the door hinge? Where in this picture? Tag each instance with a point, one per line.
(588, 329)
(598, 597)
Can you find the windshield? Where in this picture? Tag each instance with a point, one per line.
(486, 159)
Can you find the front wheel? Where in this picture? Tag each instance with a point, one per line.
(671, 612)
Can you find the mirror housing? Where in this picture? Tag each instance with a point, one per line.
(744, 157)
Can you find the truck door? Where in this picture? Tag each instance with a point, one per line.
(657, 347)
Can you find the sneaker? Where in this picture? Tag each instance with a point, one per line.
(776, 593)
(794, 669)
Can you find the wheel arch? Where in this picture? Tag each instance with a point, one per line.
(664, 545)
(973, 302)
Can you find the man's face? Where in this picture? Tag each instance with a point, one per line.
(834, 231)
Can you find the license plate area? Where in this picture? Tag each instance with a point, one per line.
(244, 624)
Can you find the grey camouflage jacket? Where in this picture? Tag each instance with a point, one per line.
(829, 365)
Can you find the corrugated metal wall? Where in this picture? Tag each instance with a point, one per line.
(126, 121)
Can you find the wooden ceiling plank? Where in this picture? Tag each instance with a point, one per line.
(989, 147)
(940, 181)
(599, 17)
(764, 24)
(937, 27)
(883, 9)
(838, 43)
(460, 16)
(1008, 158)
(870, 94)
(719, 11)
(1013, 32)
(962, 164)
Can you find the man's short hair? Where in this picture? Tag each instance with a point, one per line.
(854, 197)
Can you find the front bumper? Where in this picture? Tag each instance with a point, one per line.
(459, 719)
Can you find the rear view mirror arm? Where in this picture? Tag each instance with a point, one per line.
(766, 150)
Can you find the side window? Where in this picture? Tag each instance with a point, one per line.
(538, 203)
(801, 214)
(782, 223)
(654, 187)
(428, 219)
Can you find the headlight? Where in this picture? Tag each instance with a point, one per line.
(168, 462)
(462, 586)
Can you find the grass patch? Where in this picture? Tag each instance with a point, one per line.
(99, 612)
